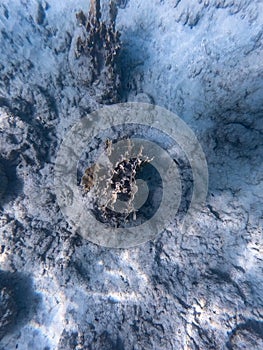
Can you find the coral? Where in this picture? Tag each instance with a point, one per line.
(95, 52)
(117, 182)
(88, 178)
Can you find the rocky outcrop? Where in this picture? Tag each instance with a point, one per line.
(8, 310)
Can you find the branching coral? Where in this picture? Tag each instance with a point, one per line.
(96, 49)
(115, 183)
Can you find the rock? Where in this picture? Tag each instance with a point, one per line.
(247, 335)
(3, 181)
(8, 310)
(122, 3)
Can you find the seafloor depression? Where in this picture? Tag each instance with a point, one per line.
(200, 59)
